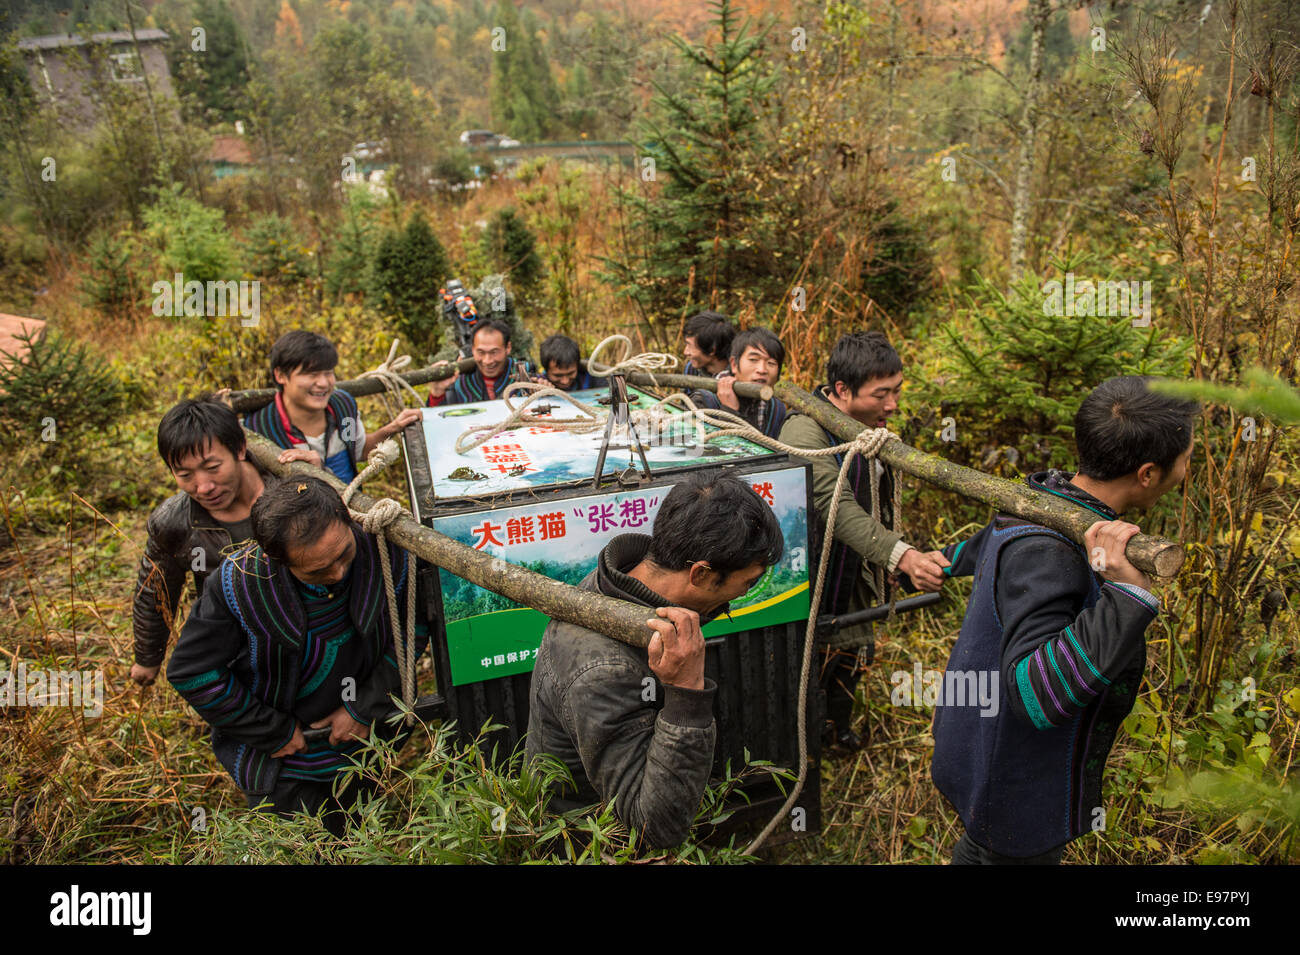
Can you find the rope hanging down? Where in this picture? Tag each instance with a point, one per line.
(867, 444)
(383, 513)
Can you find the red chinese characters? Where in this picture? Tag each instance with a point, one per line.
(551, 526)
(519, 530)
(507, 458)
(485, 534)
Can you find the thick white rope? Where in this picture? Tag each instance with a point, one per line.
(396, 388)
(521, 417)
(383, 513)
(868, 444)
(646, 362)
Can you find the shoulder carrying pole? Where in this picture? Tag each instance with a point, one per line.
(623, 621)
(1151, 555)
(253, 398)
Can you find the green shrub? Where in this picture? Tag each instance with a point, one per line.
(57, 392)
(354, 244)
(111, 284)
(1011, 377)
(511, 248)
(271, 249)
(189, 237)
(409, 269)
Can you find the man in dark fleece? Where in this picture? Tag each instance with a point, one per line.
(1059, 630)
(636, 727)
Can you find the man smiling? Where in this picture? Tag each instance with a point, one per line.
(310, 418)
(756, 357)
(496, 369)
(203, 445)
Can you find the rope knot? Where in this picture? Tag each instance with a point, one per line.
(869, 441)
(384, 454)
(382, 513)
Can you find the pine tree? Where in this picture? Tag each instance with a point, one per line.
(408, 270)
(1011, 371)
(216, 75)
(55, 390)
(523, 94)
(354, 245)
(511, 248)
(702, 139)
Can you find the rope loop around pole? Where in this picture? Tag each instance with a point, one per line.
(396, 388)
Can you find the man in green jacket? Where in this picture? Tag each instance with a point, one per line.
(864, 380)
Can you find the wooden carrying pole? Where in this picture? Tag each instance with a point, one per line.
(1151, 555)
(746, 389)
(625, 622)
(254, 398)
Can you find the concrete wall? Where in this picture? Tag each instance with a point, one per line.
(66, 78)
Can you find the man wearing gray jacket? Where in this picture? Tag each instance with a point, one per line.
(635, 727)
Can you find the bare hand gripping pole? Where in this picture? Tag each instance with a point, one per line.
(1151, 555)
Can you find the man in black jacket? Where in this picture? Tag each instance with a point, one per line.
(635, 727)
(191, 531)
(1058, 631)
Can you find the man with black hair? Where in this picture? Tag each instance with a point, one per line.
(636, 727)
(1059, 630)
(294, 633)
(757, 356)
(490, 344)
(203, 446)
(310, 418)
(864, 380)
(707, 337)
(561, 364)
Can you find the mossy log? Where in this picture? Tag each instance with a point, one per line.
(618, 619)
(746, 389)
(1151, 555)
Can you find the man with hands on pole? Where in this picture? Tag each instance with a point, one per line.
(1059, 630)
(634, 726)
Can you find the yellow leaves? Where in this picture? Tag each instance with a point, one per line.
(1292, 698)
(1257, 523)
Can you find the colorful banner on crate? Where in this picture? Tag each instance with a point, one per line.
(538, 456)
(489, 636)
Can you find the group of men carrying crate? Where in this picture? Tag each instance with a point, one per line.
(290, 628)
